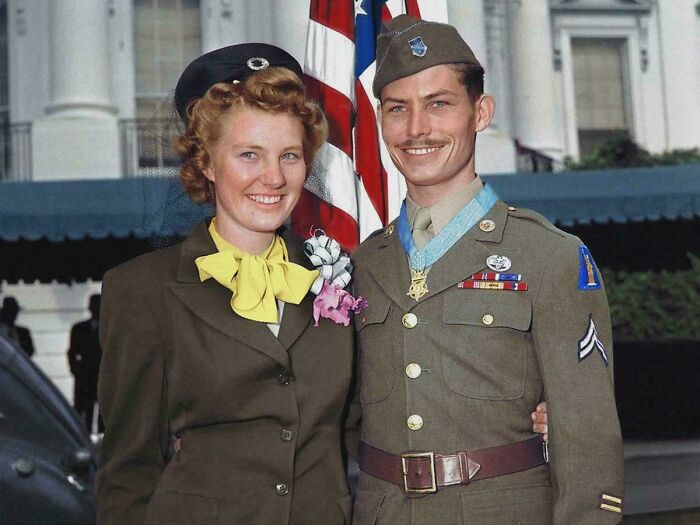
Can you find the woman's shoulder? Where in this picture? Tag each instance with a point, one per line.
(158, 265)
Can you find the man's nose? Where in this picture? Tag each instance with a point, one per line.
(418, 123)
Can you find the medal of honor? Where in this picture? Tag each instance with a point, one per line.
(421, 260)
(418, 287)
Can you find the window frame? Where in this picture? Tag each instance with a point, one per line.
(631, 29)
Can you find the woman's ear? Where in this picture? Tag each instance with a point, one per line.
(209, 172)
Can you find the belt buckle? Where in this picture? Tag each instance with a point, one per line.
(404, 469)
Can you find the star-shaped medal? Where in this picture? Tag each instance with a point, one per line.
(418, 287)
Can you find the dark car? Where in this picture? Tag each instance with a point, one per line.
(47, 461)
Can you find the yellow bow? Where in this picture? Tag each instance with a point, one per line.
(256, 280)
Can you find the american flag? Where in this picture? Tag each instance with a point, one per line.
(353, 187)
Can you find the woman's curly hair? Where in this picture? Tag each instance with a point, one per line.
(276, 90)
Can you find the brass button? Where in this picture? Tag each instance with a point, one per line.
(409, 320)
(413, 370)
(487, 225)
(487, 319)
(282, 489)
(286, 434)
(415, 422)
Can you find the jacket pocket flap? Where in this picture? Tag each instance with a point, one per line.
(376, 312)
(490, 309)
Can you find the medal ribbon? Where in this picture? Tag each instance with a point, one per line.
(439, 245)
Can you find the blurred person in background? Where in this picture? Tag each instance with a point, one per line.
(19, 334)
(84, 355)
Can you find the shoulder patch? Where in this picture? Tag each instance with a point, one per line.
(588, 276)
(524, 213)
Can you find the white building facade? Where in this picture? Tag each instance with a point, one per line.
(81, 79)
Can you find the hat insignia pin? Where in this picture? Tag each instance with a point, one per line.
(257, 63)
(418, 47)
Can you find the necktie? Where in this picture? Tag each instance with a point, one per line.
(422, 228)
(256, 280)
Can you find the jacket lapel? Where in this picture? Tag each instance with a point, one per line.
(210, 302)
(389, 267)
(468, 255)
(296, 317)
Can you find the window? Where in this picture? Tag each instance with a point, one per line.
(166, 39)
(601, 93)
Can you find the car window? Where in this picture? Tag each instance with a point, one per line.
(25, 418)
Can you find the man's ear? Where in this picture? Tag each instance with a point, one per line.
(484, 107)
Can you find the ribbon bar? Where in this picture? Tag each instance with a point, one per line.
(496, 276)
(492, 285)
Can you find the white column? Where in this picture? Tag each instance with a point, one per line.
(79, 138)
(679, 28)
(470, 21)
(495, 150)
(534, 94)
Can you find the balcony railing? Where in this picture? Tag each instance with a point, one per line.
(532, 161)
(15, 151)
(146, 147)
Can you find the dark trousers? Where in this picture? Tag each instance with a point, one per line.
(85, 407)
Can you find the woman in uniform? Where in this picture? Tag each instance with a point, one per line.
(222, 401)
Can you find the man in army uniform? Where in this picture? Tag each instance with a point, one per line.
(477, 312)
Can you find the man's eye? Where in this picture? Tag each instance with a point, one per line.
(290, 156)
(439, 104)
(396, 109)
(248, 155)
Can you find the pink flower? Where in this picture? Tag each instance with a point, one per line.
(335, 304)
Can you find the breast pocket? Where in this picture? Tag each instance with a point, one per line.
(375, 351)
(483, 348)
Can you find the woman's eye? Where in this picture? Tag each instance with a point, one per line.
(248, 155)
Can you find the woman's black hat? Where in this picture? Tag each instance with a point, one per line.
(226, 65)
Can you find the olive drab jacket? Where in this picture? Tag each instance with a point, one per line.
(463, 368)
(210, 418)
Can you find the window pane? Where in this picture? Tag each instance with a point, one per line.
(600, 90)
(167, 38)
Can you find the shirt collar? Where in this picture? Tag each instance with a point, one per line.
(444, 211)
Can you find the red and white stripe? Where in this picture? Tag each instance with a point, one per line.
(362, 188)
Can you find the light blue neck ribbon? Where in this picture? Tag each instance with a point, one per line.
(449, 235)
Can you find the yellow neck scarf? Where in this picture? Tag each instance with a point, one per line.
(256, 280)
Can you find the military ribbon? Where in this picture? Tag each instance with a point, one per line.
(419, 260)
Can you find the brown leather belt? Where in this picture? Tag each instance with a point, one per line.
(426, 472)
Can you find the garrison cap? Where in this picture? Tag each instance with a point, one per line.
(408, 45)
(226, 65)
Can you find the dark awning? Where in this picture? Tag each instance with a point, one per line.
(618, 196)
(122, 208)
(73, 210)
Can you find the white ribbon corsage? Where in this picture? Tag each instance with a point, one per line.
(335, 268)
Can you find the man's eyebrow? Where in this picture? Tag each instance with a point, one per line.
(437, 94)
(430, 96)
(391, 99)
